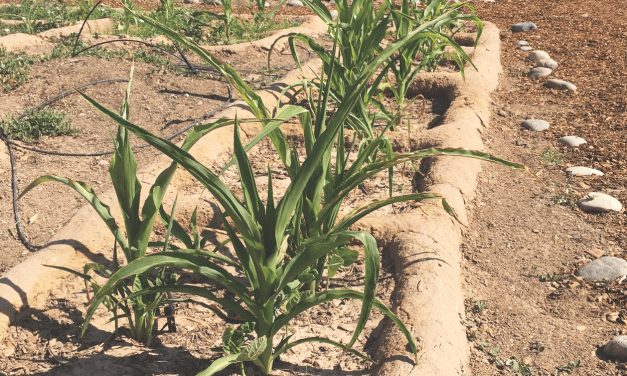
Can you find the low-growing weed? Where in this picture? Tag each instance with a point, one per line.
(36, 124)
(14, 69)
(552, 157)
(568, 367)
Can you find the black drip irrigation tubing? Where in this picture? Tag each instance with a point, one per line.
(10, 143)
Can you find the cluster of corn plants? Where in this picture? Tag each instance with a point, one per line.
(428, 53)
(281, 247)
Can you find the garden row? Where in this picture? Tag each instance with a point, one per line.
(283, 221)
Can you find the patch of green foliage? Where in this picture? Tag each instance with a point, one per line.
(14, 69)
(39, 15)
(37, 124)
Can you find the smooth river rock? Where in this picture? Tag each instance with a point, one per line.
(539, 72)
(524, 26)
(583, 171)
(597, 202)
(537, 55)
(616, 348)
(295, 3)
(547, 63)
(522, 43)
(536, 125)
(560, 85)
(572, 141)
(606, 268)
(525, 48)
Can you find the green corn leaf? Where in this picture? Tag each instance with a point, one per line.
(245, 223)
(88, 193)
(227, 303)
(281, 349)
(329, 295)
(177, 229)
(220, 364)
(179, 260)
(358, 213)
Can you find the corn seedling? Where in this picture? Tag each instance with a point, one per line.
(139, 311)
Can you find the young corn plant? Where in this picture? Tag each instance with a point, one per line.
(428, 52)
(134, 240)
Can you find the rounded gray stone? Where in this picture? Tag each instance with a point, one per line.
(537, 55)
(525, 48)
(572, 141)
(583, 171)
(295, 3)
(597, 202)
(616, 348)
(522, 43)
(547, 63)
(606, 268)
(524, 26)
(536, 125)
(560, 85)
(539, 72)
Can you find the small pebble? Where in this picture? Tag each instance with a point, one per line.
(537, 55)
(572, 141)
(539, 72)
(617, 348)
(583, 171)
(503, 113)
(524, 26)
(560, 85)
(597, 202)
(525, 48)
(547, 63)
(522, 43)
(606, 268)
(536, 125)
(294, 3)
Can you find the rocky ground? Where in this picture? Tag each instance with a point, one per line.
(545, 294)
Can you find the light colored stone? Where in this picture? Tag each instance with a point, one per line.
(560, 85)
(537, 55)
(583, 171)
(524, 26)
(522, 43)
(536, 125)
(572, 141)
(334, 14)
(598, 202)
(547, 63)
(525, 48)
(294, 3)
(539, 72)
(606, 268)
(616, 348)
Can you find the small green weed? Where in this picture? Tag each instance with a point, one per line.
(36, 124)
(475, 306)
(568, 367)
(518, 367)
(552, 277)
(552, 157)
(14, 69)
